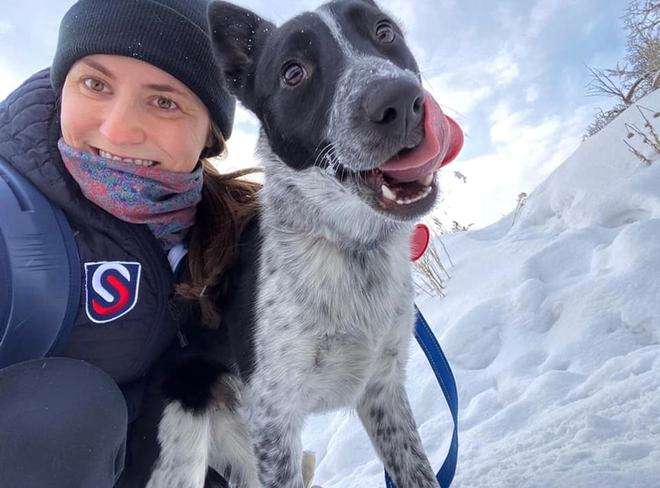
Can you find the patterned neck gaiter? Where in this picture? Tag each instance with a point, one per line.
(164, 200)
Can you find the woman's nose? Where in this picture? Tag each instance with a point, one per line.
(121, 125)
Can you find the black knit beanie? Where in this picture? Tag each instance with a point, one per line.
(169, 34)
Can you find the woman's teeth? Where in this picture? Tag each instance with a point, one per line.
(139, 162)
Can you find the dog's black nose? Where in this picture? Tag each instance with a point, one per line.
(395, 106)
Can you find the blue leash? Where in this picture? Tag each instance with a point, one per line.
(443, 374)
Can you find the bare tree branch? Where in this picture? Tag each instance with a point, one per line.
(603, 84)
(639, 72)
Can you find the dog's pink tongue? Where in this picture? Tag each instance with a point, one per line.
(443, 140)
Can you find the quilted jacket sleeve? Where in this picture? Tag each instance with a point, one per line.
(29, 129)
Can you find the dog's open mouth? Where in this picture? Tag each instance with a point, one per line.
(392, 194)
(443, 139)
(405, 184)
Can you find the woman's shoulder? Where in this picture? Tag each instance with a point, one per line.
(29, 129)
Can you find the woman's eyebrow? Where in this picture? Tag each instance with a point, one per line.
(164, 88)
(161, 87)
(98, 67)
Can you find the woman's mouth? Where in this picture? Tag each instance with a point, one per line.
(114, 157)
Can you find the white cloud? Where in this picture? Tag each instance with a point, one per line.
(244, 116)
(241, 146)
(467, 86)
(455, 98)
(9, 81)
(240, 152)
(532, 94)
(542, 14)
(523, 154)
(4, 27)
(589, 27)
(503, 70)
(403, 12)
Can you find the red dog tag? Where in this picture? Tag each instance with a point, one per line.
(419, 241)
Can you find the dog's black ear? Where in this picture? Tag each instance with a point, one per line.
(237, 36)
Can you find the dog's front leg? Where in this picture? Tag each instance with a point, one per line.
(184, 445)
(277, 446)
(385, 413)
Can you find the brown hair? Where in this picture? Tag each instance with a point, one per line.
(227, 206)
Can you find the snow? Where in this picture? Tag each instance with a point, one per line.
(552, 327)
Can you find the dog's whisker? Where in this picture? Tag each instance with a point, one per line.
(316, 149)
(327, 151)
(322, 154)
(328, 156)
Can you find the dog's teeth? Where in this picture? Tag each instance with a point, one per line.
(387, 193)
(427, 180)
(408, 201)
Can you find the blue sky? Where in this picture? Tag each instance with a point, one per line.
(512, 72)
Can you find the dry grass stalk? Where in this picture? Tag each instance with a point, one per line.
(431, 275)
(648, 135)
(522, 199)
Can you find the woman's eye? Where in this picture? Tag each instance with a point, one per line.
(293, 74)
(385, 32)
(94, 84)
(166, 103)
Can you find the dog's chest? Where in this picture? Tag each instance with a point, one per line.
(341, 367)
(329, 320)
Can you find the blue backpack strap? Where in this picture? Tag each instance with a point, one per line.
(40, 283)
(445, 377)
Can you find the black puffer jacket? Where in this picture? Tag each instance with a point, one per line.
(126, 345)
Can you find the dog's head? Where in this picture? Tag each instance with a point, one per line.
(339, 96)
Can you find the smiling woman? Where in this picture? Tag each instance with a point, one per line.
(108, 109)
(117, 134)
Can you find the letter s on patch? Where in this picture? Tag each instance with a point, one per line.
(111, 289)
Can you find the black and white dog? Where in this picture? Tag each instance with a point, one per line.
(320, 314)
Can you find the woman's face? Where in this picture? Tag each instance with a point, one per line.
(115, 106)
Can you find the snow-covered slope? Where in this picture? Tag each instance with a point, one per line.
(552, 326)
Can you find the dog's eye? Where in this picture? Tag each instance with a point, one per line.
(385, 32)
(293, 74)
